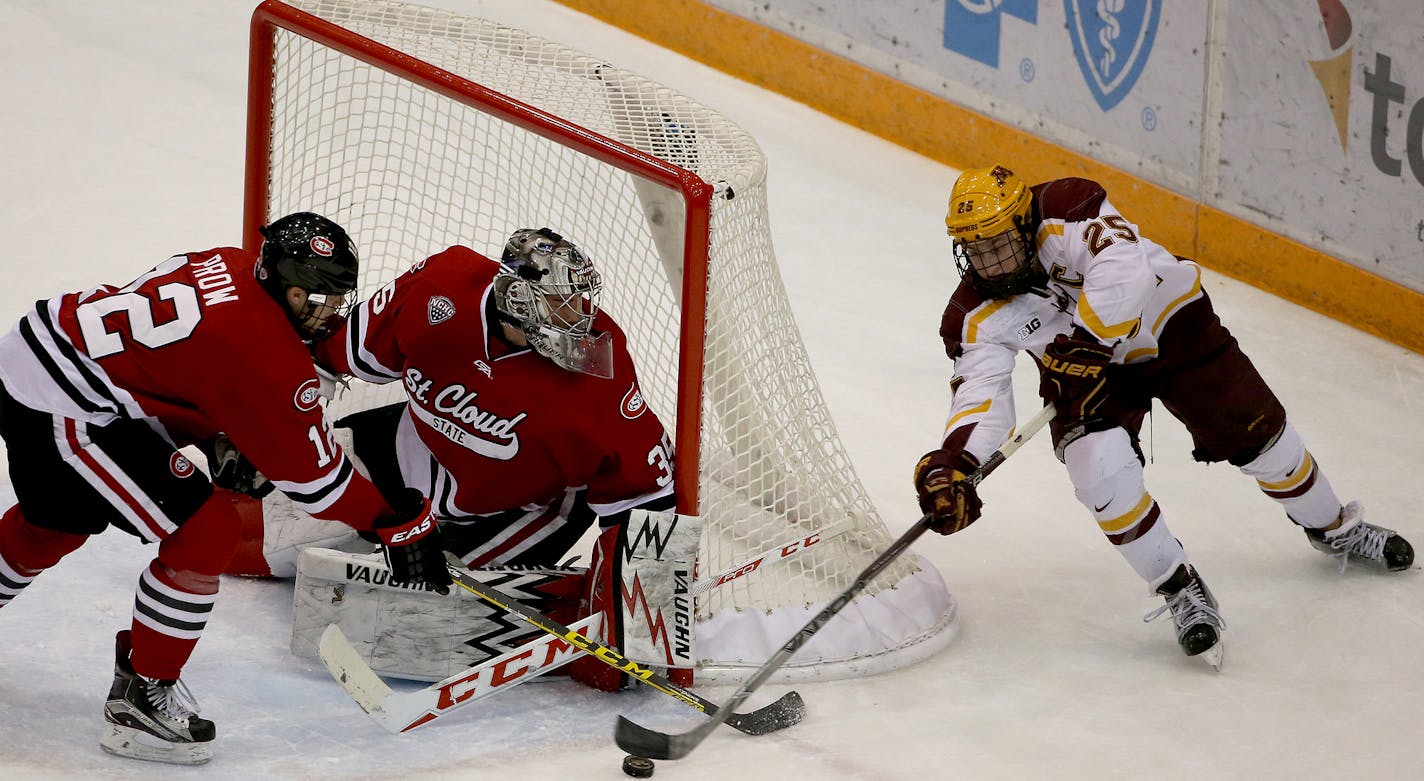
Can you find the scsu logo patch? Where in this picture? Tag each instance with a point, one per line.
(633, 404)
(179, 465)
(323, 246)
(308, 395)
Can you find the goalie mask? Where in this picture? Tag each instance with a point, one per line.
(549, 289)
(990, 220)
(308, 251)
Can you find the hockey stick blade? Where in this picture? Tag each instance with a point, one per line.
(636, 739)
(779, 715)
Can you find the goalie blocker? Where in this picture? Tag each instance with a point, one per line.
(640, 581)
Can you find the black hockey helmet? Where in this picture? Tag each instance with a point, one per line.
(308, 251)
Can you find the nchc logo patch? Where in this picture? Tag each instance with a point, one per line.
(439, 310)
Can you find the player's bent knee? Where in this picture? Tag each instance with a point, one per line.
(206, 542)
(34, 548)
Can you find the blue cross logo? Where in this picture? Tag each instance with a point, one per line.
(971, 27)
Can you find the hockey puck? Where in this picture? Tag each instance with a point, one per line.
(638, 767)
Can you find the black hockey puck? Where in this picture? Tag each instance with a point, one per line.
(638, 767)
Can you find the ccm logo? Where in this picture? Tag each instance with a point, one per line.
(410, 534)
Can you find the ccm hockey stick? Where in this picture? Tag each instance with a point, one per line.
(641, 741)
(405, 711)
(783, 713)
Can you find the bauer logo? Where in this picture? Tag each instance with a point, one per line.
(1112, 42)
(180, 465)
(307, 395)
(322, 246)
(633, 404)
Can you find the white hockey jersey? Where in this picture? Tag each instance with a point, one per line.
(1102, 275)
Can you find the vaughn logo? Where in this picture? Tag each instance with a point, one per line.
(439, 310)
(1112, 42)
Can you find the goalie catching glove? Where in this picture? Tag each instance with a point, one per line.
(950, 501)
(410, 540)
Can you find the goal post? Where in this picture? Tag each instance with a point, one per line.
(417, 128)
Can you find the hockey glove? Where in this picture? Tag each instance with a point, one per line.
(411, 542)
(945, 495)
(1077, 368)
(231, 470)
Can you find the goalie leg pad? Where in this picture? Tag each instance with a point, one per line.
(406, 631)
(640, 581)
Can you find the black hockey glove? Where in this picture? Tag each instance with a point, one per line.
(231, 470)
(411, 542)
(945, 495)
(1078, 369)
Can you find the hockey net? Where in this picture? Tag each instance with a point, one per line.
(417, 129)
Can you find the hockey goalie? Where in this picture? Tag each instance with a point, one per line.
(525, 426)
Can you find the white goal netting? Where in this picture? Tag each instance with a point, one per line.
(550, 136)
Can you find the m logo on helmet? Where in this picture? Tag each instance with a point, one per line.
(323, 246)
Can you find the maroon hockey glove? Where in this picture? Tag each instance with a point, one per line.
(945, 495)
(411, 542)
(1077, 368)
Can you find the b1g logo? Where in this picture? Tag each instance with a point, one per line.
(1111, 41)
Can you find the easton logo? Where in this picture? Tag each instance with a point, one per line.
(633, 404)
(439, 310)
(307, 395)
(323, 246)
(180, 465)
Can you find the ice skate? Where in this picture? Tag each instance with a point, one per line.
(1357, 539)
(1194, 611)
(153, 720)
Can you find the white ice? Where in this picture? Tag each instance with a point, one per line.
(122, 143)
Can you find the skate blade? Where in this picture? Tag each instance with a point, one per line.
(1214, 656)
(136, 744)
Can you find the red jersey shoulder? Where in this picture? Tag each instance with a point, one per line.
(448, 285)
(1071, 199)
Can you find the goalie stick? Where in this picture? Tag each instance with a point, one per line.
(405, 711)
(783, 713)
(641, 741)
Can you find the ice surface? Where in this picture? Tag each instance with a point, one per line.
(123, 143)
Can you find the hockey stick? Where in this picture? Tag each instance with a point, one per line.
(781, 714)
(405, 711)
(780, 552)
(641, 741)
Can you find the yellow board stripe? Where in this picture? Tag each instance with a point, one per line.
(961, 138)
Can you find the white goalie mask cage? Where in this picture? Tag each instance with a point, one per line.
(551, 290)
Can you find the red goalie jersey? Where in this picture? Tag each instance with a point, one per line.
(196, 347)
(490, 427)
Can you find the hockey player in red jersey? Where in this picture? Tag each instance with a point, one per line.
(524, 422)
(100, 390)
(1113, 321)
